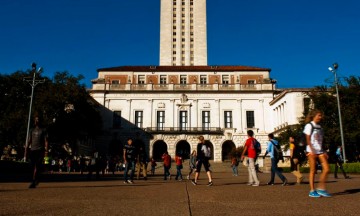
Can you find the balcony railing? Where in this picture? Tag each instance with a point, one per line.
(188, 130)
(182, 87)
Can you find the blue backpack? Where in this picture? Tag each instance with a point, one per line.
(257, 147)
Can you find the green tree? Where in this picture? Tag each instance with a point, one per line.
(50, 99)
(324, 99)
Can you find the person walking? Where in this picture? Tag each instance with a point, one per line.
(38, 140)
(129, 160)
(203, 157)
(339, 163)
(295, 161)
(234, 165)
(272, 144)
(314, 139)
(192, 164)
(141, 163)
(167, 165)
(153, 166)
(179, 167)
(249, 148)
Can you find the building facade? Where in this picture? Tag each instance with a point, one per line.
(171, 106)
(168, 107)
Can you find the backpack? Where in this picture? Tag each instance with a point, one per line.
(300, 146)
(302, 137)
(278, 154)
(257, 147)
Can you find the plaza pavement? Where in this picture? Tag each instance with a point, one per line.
(73, 195)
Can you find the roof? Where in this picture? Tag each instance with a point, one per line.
(283, 92)
(184, 68)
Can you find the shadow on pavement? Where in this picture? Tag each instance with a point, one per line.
(347, 192)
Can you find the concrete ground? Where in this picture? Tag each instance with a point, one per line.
(73, 195)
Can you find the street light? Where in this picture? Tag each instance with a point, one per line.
(334, 70)
(33, 83)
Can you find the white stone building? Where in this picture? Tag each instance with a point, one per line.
(170, 105)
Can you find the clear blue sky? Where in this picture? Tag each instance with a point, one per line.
(298, 40)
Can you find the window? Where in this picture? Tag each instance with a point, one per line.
(162, 79)
(183, 120)
(115, 82)
(116, 119)
(206, 120)
(139, 119)
(250, 119)
(141, 79)
(183, 79)
(251, 82)
(225, 79)
(203, 79)
(228, 119)
(160, 120)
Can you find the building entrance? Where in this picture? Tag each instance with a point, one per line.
(183, 149)
(227, 147)
(159, 148)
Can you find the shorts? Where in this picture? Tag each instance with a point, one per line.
(204, 162)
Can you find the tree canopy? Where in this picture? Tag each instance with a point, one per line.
(325, 99)
(49, 102)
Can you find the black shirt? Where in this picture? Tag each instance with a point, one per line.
(130, 152)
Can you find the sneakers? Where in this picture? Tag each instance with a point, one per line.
(285, 182)
(270, 183)
(188, 177)
(210, 183)
(301, 179)
(32, 185)
(193, 182)
(322, 193)
(255, 184)
(249, 184)
(314, 194)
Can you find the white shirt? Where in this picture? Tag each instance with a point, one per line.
(316, 138)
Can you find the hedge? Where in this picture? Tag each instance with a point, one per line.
(348, 167)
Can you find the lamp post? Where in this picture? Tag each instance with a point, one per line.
(33, 83)
(334, 70)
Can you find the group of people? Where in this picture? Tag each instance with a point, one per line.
(198, 158)
(135, 155)
(315, 154)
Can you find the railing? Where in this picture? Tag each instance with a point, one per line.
(188, 130)
(183, 87)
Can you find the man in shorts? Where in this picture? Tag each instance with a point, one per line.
(203, 157)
